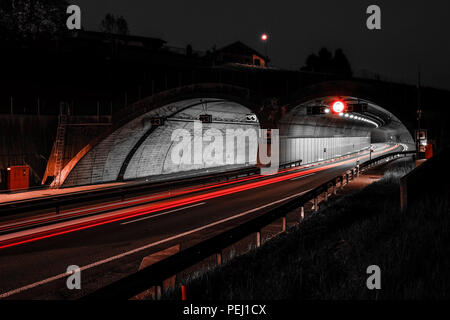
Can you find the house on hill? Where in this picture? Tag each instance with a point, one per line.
(239, 52)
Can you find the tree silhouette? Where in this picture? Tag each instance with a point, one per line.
(32, 19)
(113, 24)
(325, 62)
(312, 63)
(122, 25)
(108, 23)
(341, 64)
(189, 50)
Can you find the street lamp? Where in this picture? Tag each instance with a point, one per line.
(265, 38)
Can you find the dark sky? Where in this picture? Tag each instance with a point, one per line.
(413, 32)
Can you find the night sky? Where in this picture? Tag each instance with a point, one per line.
(413, 32)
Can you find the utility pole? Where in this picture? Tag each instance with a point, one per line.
(419, 113)
(264, 39)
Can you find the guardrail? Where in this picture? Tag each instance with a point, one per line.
(154, 275)
(121, 192)
(373, 162)
(108, 193)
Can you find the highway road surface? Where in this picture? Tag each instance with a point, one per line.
(108, 241)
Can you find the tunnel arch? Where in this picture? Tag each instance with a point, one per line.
(136, 114)
(108, 158)
(226, 115)
(384, 95)
(342, 134)
(237, 94)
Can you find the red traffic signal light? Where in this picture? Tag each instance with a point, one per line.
(338, 107)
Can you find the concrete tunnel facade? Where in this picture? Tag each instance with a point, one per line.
(136, 150)
(152, 156)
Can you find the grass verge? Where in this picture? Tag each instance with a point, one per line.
(327, 255)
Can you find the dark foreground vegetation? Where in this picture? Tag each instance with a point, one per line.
(326, 257)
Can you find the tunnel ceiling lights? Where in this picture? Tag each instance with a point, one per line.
(342, 109)
(360, 118)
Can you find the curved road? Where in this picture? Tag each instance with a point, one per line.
(106, 246)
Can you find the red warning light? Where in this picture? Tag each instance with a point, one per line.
(338, 106)
(264, 37)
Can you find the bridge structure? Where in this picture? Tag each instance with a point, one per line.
(130, 147)
(141, 201)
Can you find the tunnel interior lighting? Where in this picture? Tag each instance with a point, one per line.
(346, 115)
(327, 110)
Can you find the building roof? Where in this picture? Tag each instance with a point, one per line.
(94, 35)
(240, 48)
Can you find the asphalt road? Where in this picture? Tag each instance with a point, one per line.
(108, 246)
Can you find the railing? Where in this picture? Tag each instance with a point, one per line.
(389, 156)
(154, 275)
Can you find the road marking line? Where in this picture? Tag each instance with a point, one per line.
(116, 217)
(127, 253)
(306, 175)
(164, 213)
(59, 216)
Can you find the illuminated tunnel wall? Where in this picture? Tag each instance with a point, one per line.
(153, 156)
(136, 150)
(315, 138)
(319, 137)
(316, 149)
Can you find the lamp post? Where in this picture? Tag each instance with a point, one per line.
(265, 38)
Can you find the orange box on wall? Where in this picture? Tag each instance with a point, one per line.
(17, 177)
(429, 151)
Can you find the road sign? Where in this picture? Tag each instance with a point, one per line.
(157, 121)
(205, 118)
(314, 110)
(251, 117)
(421, 135)
(357, 107)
